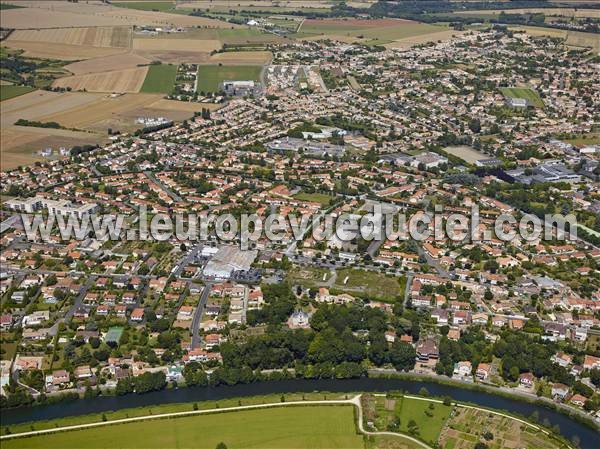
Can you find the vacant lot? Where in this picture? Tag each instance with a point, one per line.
(128, 80)
(8, 91)
(523, 92)
(210, 76)
(277, 428)
(107, 64)
(314, 197)
(91, 36)
(182, 106)
(467, 154)
(160, 79)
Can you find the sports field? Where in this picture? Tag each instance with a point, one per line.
(523, 92)
(8, 91)
(210, 76)
(160, 79)
(310, 427)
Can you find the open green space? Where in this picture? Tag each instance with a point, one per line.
(523, 92)
(211, 76)
(369, 284)
(314, 197)
(8, 6)
(8, 91)
(159, 79)
(308, 277)
(428, 416)
(278, 428)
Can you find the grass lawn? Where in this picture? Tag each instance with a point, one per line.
(314, 197)
(523, 92)
(368, 283)
(210, 76)
(7, 91)
(160, 79)
(429, 427)
(278, 428)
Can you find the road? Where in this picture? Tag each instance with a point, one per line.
(195, 329)
(168, 191)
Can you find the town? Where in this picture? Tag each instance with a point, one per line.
(491, 118)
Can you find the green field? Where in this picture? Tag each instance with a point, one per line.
(429, 427)
(160, 79)
(383, 33)
(148, 6)
(210, 76)
(314, 197)
(523, 92)
(307, 427)
(369, 284)
(8, 6)
(8, 91)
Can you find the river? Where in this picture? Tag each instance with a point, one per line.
(589, 438)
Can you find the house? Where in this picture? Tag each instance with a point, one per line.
(562, 359)
(390, 336)
(591, 362)
(426, 350)
(83, 372)
(526, 380)
(58, 378)
(463, 369)
(461, 317)
(483, 371)
(440, 316)
(578, 400)
(560, 391)
(137, 314)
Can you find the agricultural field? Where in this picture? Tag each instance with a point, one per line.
(160, 79)
(162, 6)
(91, 36)
(242, 57)
(372, 32)
(128, 80)
(107, 64)
(191, 45)
(561, 12)
(313, 427)
(57, 14)
(466, 427)
(211, 76)
(8, 91)
(526, 93)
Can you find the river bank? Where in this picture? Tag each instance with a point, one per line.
(569, 427)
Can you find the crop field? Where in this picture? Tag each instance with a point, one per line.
(107, 64)
(128, 80)
(523, 92)
(104, 112)
(407, 42)
(91, 36)
(19, 145)
(7, 91)
(378, 31)
(160, 79)
(64, 52)
(311, 427)
(579, 39)
(147, 6)
(562, 12)
(242, 57)
(57, 14)
(195, 45)
(210, 76)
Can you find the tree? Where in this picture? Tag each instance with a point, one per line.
(221, 445)
(402, 356)
(475, 125)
